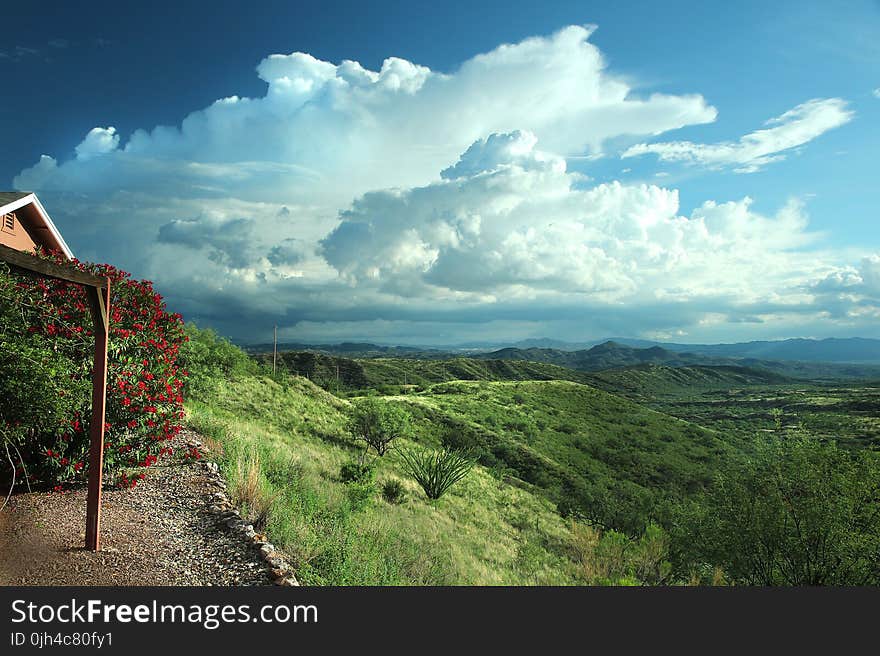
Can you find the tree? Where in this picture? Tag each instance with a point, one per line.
(210, 360)
(379, 423)
(797, 512)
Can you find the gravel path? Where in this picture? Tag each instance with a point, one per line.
(160, 533)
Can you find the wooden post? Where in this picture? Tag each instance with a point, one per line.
(274, 350)
(100, 306)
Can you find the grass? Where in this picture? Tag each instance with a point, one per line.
(593, 454)
(483, 531)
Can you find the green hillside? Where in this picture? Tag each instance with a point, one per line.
(282, 446)
(650, 381)
(348, 375)
(572, 484)
(594, 454)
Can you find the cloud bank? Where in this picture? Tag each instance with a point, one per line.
(406, 204)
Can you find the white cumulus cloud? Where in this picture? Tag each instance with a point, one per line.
(503, 227)
(99, 141)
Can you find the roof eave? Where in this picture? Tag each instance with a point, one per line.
(31, 199)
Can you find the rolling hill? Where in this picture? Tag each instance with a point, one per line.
(591, 452)
(655, 381)
(543, 447)
(379, 373)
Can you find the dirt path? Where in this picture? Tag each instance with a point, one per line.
(160, 533)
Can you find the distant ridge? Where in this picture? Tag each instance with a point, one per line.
(832, 349)
(614, 355)
(850, 350)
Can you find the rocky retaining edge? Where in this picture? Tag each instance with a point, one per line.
(221, 506)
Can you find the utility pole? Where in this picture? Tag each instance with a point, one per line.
(275, 350)
(337, 377)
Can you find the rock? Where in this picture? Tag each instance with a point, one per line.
(233, 522)
(266, 550)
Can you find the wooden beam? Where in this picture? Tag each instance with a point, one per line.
(34, 264)
(100, 303)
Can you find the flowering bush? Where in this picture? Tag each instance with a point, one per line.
(46, 350)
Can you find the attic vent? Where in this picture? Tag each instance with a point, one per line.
(9, 222)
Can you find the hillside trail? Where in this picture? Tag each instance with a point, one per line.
(159, 533)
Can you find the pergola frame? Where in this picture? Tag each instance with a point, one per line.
(98, 292)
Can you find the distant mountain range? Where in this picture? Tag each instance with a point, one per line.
(613, 355)
(850, 349)
(853, 350)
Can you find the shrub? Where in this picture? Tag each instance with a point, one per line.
(45, 374)
(210, 358)
(360, 494)
(797, 512)
(612, 558)
(394, 492)
(436, 471)
(356, 472)
(378, 423)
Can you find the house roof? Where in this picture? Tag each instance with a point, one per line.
(37, 220)
(7, 197)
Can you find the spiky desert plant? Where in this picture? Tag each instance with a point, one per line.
(436, 471)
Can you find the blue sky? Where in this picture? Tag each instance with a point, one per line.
(626, 178)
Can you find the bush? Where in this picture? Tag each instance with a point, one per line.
(394, 492)
(613, 558)
(360, 494)
(436, 471)
(356, 472)
(210, 358)
(799, 512)
(45, 374)
(378, 423)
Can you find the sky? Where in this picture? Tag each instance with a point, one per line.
(427, 173)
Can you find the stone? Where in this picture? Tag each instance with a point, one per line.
(266, 550)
